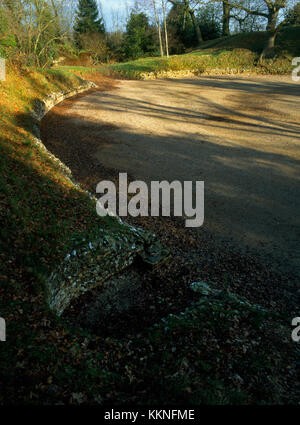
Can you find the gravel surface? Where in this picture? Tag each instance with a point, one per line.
(239, 135)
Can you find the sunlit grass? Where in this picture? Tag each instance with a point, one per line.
(236, 54)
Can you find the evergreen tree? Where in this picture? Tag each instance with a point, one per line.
(140, 37)
(87, 19)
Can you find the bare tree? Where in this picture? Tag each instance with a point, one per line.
(38, 27)
(95, 44)
(158, 27)
(151, 7)
(268, 9)
(226, 18)
(270, 12)
(163, 5)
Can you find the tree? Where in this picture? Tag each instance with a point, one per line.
(188, 7)
(155, 9)
(87, 19)
(272, 9)
(246, 22)
(163, 4)
(7, 40)
(226, 18)
(268, 9)
(158, 27)
(139, 38)
(293, 15)
(115, 43)
(209, 22)
(95, 44)
(38, 28)
(181, 29)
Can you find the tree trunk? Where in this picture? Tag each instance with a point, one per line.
(160, 40)
(165, 26)
(272, 19)
(159, 29)
(226, 19)
(269, 49)
(196, 26)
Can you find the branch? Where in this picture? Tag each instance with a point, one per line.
(238, 6)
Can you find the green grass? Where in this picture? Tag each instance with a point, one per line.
(41, 213)
(34, 188)
(234, 54)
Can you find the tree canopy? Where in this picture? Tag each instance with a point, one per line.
(140, 37)
(88, 19)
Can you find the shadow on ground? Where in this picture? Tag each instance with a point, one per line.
(242, 140)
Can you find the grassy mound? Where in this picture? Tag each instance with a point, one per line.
(287, 42)
(234, 54)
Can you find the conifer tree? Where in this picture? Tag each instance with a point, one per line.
(88, 19)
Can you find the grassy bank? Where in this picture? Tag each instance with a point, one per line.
(42, 215)
(228, 55)
(33, 186)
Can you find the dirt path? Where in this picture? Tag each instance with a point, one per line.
(240, 135)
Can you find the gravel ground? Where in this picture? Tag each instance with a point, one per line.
(241, 136)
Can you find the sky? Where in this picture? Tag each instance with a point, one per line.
(119, 9)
